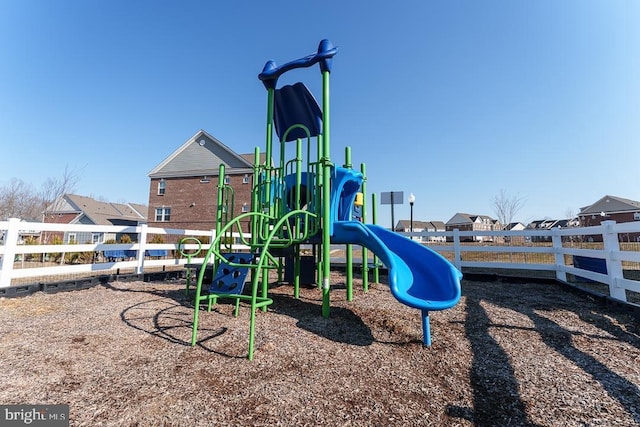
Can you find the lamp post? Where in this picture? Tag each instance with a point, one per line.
(412, 199)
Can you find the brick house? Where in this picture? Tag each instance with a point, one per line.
(611, 208)
(183, 187)
(469, 222)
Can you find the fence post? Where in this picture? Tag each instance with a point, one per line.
(10, 243)
(457, 257)
(142, 243)
(558, 255)
(614, 264)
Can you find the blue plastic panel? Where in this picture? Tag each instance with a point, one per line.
(295, 105)
(230, 279)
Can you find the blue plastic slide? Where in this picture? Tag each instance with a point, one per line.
(418, 276)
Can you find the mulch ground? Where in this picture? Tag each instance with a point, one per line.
(525, 354)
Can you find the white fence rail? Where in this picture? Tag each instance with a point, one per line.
(52, 260)
(615, 260)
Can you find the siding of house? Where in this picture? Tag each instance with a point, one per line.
(190, 179)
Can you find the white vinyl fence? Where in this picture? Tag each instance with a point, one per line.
(607, 253)
(19, 260)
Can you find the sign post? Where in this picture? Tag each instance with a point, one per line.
(392, 198)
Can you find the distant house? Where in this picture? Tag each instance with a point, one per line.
(535, 225)
(404, 226)
(548, 224)
(418, 226)
(611, 208)
(515, 226)
(183, 187)
(438, 226)
(74, 209)
(471, 222)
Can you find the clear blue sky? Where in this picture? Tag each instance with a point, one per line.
(450, 100)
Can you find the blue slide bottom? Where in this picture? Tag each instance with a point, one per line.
(418, 276)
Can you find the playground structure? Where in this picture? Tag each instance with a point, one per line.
(308, 199)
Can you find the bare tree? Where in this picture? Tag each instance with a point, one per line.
(20, 200)
(54, 188)
(506, 207)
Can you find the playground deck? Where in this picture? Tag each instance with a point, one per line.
(507, 354)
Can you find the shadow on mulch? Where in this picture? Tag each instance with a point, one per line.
(344, 326)
(166, 320)
(497, 400)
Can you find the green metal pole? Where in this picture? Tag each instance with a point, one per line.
(219, 213)
(298, 223)
(326, 197)
(296, 273)
(365, 252)
(376, 268)
(318, 200)
(269, 149)
(255, 204)
(220, 201)
(316, 256)
(349, 250)
(298, 187)
(267, 187)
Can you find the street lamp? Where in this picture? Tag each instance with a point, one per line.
(412, 199)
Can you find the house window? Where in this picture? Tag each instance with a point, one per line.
(245, 180)
(161, 187)
(227, 180)
(245, 207)
(205, 179)
(163, 214)
(224, 208)
(96, 237)
(72, 238)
